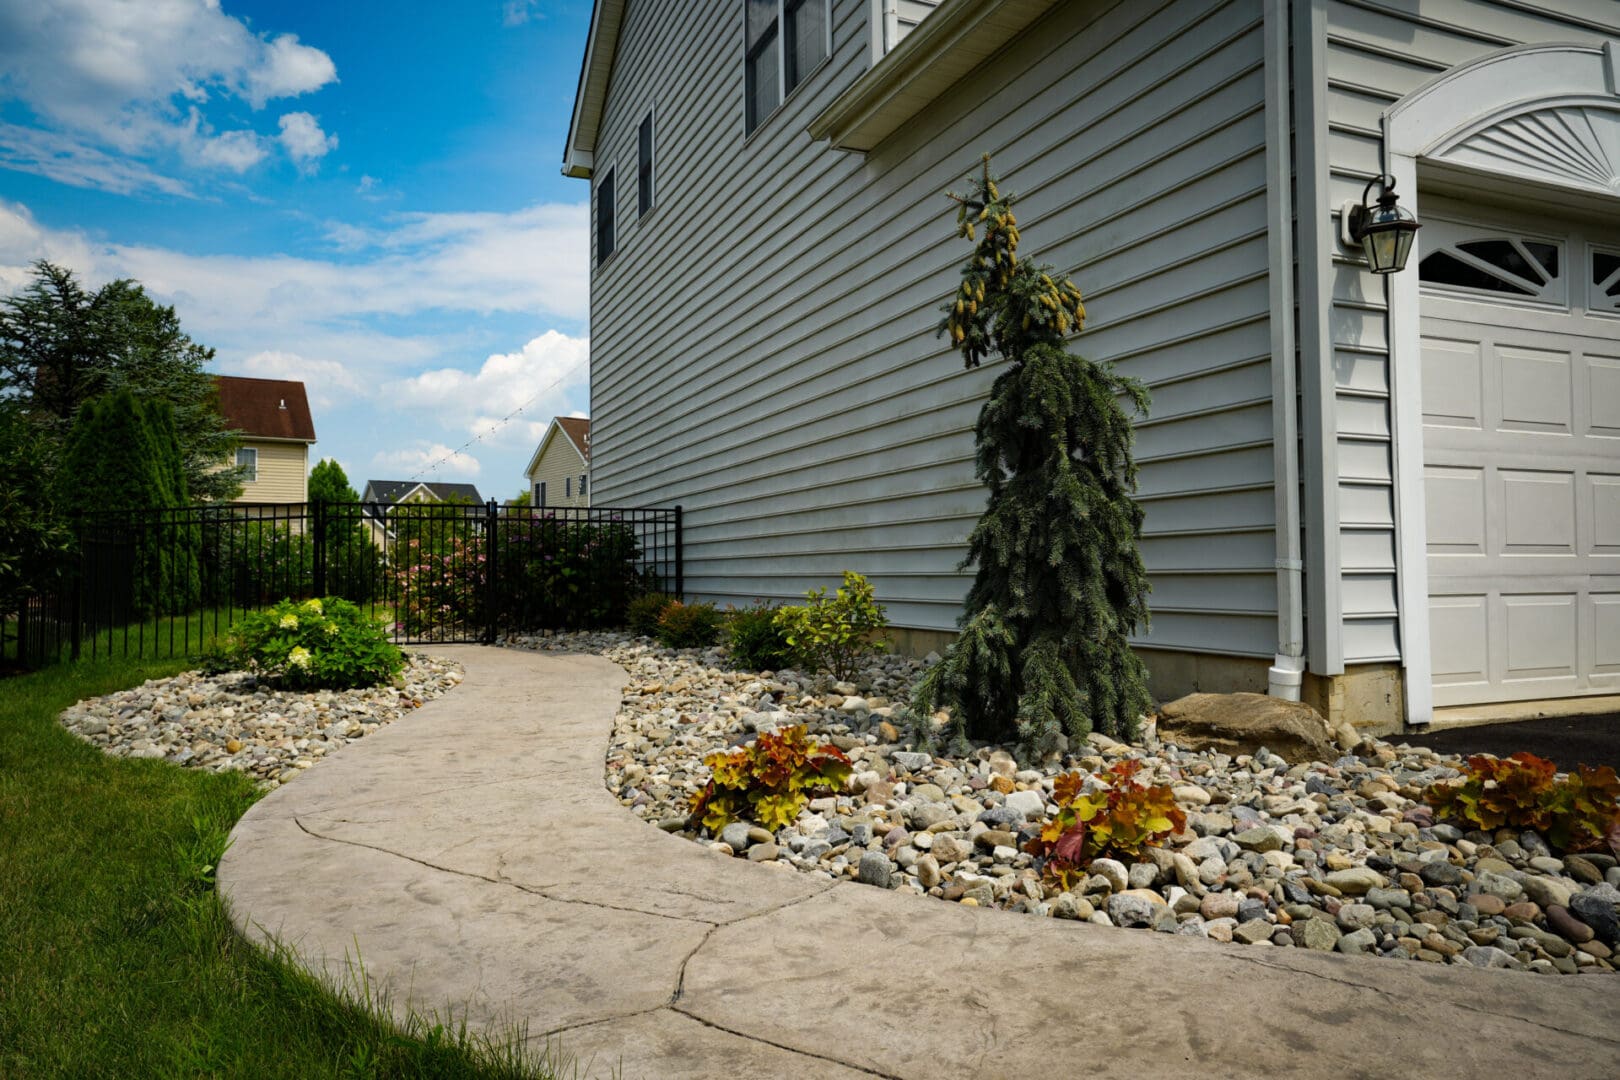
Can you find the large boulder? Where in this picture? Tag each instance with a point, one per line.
(1243, 723)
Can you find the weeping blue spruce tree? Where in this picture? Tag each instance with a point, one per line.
(1042, 649)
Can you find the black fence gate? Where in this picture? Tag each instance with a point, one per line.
(170, 582)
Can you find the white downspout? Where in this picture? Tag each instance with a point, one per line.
(1287, 671)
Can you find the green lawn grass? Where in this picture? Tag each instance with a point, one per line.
(116, 955)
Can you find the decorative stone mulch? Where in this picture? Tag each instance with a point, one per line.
(1334, 856)
(238, 722)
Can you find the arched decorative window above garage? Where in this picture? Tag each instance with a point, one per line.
(1503, 264)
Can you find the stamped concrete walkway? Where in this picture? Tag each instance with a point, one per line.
(473, 856)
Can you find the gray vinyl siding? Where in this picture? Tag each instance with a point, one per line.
(764, 347)
(1376, 52)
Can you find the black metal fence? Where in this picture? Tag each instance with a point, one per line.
(171, 582)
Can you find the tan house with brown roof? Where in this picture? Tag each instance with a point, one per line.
(559, 473)
(277, 430)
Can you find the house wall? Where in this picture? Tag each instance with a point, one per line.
(560, 462)
(283, 473)
(1371, 53)
(764, 348)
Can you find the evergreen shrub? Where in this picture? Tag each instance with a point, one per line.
(756, 642)
(1043, 648)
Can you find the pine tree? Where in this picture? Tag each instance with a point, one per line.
(1042, 650)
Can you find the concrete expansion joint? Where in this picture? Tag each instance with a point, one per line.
(710, 1024)
(531, 890)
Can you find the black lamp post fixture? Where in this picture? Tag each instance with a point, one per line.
(1384, 232)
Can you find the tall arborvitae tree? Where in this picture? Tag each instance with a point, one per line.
(1042, 650)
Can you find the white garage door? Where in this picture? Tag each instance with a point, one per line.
(1521, 404)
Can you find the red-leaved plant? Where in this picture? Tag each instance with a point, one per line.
(1581, 812)
(1121, 817)
(767, 781)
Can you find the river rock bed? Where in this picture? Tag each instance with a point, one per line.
(1332, 856)
(236, 721)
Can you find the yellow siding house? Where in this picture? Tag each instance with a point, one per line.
(276, 432)
(560, 471)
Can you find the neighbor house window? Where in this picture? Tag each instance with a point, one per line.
(784, 40)
(604, 218)
(582, 485)
(247, 459)
(568, 487)
(644, 166)
(540, 492)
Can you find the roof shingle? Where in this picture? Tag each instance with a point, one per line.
(265, 408)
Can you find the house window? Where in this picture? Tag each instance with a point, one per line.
(568, 487)
(644, 166)
(582, 485)
(1504, 265)
(247, 459)
(604, 218)
(783, 42)
(540, 493)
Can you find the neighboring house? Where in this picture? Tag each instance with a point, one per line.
(559, 472)
(1403, 489)
(273, 417)
(382, 496)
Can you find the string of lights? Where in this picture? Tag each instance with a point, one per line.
(501, 423)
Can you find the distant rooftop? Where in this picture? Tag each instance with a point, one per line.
(265, 408)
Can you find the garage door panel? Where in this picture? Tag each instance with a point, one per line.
(1521, 458)
(1538, 512)
(1535, 390)
(1540, 637)
(1603, 396)
(1451, 383)
(1603, 497)
(1455, 510)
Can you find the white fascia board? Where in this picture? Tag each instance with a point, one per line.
(591, 95)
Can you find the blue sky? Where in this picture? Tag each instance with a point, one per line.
(361, 196)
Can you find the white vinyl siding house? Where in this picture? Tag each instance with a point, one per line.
(769, 359)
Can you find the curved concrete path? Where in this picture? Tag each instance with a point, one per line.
(473, 856)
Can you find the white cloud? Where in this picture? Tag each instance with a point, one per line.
(517, 12)
(408, 461)
(106, 77)
(537, 379)
(327, 382)
(301, 136)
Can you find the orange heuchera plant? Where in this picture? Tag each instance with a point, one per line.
(1581, 812)
(1120, 818)
(767, 781)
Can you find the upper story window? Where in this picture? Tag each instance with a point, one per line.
(247, 459)
(644, 166)
(784, 41)
(604, 218)
(568, 487)
(582, 485)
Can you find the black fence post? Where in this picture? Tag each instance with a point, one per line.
(680, 555)
(491, 571)
(319, 508)
(78, 592)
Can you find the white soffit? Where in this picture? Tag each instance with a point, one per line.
(955, 38)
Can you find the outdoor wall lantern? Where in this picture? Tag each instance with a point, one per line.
(1384, 232)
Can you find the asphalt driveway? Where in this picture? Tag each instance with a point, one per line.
(1566, 741)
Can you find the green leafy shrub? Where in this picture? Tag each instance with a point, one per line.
(833, 633)
(318, 644)
(1119, 819)
(689, 626)
(645, 611)
(560, 574)
(756, 642)
(768, 781)
(1581, 812)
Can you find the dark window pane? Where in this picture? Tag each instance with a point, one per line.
(644, 175)
(604, 218)
(1443, 269)
(806, 38)
(763, 90)
(760, 16)
(1545, 254)
(1500, 253)
(1604, 265)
